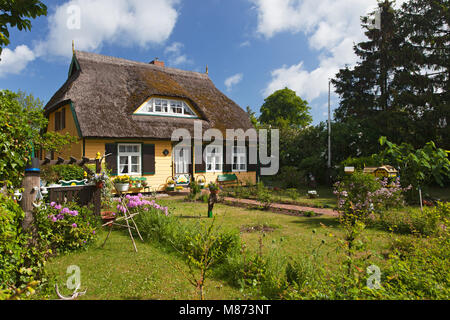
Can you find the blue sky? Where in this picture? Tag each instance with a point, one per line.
(252, 47)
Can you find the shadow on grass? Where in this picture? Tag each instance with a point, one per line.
(317, 221)
(192, 217)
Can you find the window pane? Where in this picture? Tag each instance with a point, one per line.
(242, 167)
(123, 169)
(135, 168)
(123, 160)
(122, 149)
(134, 160)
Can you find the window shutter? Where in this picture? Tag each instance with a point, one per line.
(111, 160)
(191, 164)
(57, 121)
(227, 166)
(148, 159)
(201, 168)
(63, 118)
(251, 167)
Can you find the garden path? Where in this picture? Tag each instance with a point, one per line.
(284, 208)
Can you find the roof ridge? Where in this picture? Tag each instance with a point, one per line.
(100, 58)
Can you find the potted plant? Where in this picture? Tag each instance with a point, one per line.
(122, 183)
(179, 188)
(99, 180)
(108, 216)
(213, 188)
(170, 185)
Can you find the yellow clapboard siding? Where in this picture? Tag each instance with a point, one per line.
(163, 164)
(75, 149)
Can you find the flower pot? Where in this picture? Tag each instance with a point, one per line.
(202, 185)
(122, 187)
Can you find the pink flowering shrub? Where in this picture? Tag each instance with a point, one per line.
(66, 228)
(362, 195)
(137, 203)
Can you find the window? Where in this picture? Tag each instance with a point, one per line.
(129, 159)
(166, 107)
(60, 120)
(239, 159)
(214, 159)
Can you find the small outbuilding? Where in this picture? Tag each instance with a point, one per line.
(385, 171)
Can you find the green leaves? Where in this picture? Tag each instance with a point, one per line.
(21, 123)
(15, 13)
(285, 109)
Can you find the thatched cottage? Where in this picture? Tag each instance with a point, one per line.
(130, 109)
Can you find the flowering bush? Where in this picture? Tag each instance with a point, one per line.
(363, 194)
(137, 203)
(66, 228)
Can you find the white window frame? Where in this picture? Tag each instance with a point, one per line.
(129, 155)
(214, 156)
(241, 153)
(168, 108)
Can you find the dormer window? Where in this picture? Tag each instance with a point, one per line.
(166, 107)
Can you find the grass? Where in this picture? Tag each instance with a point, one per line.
(326, 197)
(118, 272)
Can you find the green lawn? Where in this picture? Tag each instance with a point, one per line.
(117, 272)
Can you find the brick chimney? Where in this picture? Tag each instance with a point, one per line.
(158, 63)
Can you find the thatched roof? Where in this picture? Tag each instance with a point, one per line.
(105, 91)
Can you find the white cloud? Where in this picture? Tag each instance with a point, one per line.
(13, 62)
(233, 80)
(175, 55)
(332, 28)
(245, 44)
(118, 22)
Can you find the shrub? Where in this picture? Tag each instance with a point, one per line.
(363, 194)
(265, 198)
(170, 232)
(53, 174)
(413, 221)
(21, 265)
(291, 177)
(65, 228)
(293, 193)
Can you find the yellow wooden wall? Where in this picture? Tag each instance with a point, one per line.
(163, 164)
(74, 150)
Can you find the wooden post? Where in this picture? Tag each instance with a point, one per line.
(31, 181)
(98, 191)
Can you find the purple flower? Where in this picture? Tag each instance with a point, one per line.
(58, 207)
(65, 210)
(60, 217)
(93, 231)
(74, 225)
(52, 204)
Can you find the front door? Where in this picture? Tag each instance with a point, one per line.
(182, 157)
